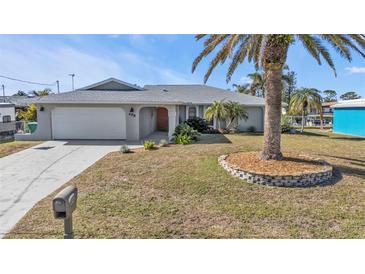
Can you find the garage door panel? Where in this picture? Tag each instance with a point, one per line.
(88, 123)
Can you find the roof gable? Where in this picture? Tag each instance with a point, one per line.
(112, 84)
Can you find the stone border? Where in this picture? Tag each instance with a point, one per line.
(302, 180)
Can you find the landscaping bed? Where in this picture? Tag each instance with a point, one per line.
(292, 164)
(293, 171)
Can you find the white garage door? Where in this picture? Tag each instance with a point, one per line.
(88, 123)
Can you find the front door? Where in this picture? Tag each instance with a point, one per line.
(162, 119)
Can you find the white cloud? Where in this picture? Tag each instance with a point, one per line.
(46, 61)
(245, 80)
(152, 73)
(353, 70)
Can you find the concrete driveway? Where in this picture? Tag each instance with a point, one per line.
(30, 175)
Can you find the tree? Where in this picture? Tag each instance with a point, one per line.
(257, 84)
(350, 96)
(29, 115)
(44, 92)
(234, 111)
(20, 93)
(330, 95)
(245, 88)
(289, 83)
(216, 111)
(269, 52)
(303, 100)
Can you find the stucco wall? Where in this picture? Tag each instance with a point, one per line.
(350, 121)
(255, 119)
(135, 129)
(147, 121)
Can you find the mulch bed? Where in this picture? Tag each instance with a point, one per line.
(292, 164)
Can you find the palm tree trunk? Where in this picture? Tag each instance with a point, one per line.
(302, 129)
(272, 132)
(273, 59)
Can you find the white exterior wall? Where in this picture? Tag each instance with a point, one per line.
(44, 128)
(255, 119)
(133, 127)
(147, 121)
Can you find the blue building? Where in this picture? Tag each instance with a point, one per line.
(349, 117)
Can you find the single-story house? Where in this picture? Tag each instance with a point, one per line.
(349, 117)
(113, 109)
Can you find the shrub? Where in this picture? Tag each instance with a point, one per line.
(148, 145)
(163, 143)
(198, 124)
(125, 149)
(285, 124)
(185, 129)
(182, 139)
(251, 129)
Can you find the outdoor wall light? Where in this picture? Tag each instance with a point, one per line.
(131, 112)
(41, 108)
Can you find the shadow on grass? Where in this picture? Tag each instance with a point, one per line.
(358, 172)
(344, 158)
(213, 139)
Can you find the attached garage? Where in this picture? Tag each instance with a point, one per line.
(88, 123)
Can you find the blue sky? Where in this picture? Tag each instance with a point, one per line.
(147, 59)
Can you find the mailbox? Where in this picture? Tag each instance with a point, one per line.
(64, 204)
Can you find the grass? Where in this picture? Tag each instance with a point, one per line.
(181, 192)
(10, 147)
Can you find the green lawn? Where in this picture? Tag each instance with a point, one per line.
(7, 148)
(181, 192)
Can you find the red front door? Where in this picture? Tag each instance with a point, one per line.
(162, 119)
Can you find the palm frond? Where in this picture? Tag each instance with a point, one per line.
(208, 49)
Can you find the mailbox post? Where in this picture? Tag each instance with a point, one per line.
(64, 204)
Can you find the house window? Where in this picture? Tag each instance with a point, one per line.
(192, 112)
(6, 119)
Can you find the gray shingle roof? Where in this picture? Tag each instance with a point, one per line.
(153, 94)
(19, 101)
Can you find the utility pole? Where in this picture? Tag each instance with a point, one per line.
(3, 87)
(58, 86)
(72, 76)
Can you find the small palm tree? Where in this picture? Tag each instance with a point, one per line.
(216, 111)
(305, 99)
(235, 111)
(269, 52)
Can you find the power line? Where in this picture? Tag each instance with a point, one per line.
(29, 82)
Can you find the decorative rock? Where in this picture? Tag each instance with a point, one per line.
(304, 180)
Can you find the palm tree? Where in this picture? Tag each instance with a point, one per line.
(216, 111)
(245, 88)
(305, 99)
(20, 93)
(269, 52)
(235, 110)
(258, 84)
(44, 92)
(289, 81)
